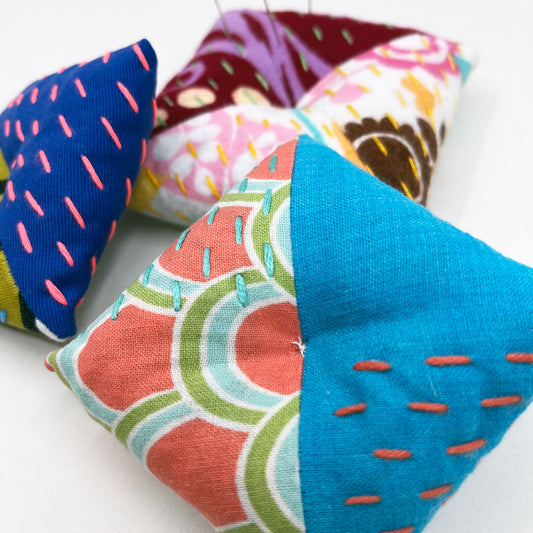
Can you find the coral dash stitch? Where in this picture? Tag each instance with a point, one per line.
(72, 146)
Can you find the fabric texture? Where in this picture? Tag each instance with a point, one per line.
(303, 361)
(251, 57)
(387, 110)
(71, 147)
(196, 367)
(418, 350)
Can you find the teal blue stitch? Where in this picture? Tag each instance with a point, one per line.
(116, 307)
(273, 163)
(177, 295)
(3, 315)
(242, 293)
(238, 230)
(207, 264)
(243, 185)
(269, 259)
(146, 276)
(267, 201)
(313, 130)
(182, 238)
(212, 215)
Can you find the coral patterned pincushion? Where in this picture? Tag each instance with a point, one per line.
(317, 353)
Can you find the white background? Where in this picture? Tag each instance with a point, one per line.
(59, 471)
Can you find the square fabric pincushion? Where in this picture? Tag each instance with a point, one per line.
(318, 353)
(386, 108)
(71, 146)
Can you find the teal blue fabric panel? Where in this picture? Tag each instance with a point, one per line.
(418, 349)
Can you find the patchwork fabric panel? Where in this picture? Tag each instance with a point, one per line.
(386, 110)
(197, 367)
(252, 57)
(71, 146)
(301, 361)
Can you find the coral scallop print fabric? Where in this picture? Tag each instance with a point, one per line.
(251, 57)
(387, 110)
(71, 146)
(277, 395)
(196, 368)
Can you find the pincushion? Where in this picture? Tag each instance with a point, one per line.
(318, 353)
(71, 146)
(387, 110)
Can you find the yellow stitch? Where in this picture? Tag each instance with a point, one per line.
(422, 144)
(266, 123)
(364, 89)
(437, 92)
(452, 63)
(353, 111)
(212, 187)
(444, 76)
(154, 212)
(369, 170)
(296, 125)
(413, 168)
(413, 77)
(338, 70)
(329, 92)
(385, 52)
(192, 150)
(406, 190)
(152, 178)
(425, 42)
(222, 154)
(375, 70)
(392, 121)
(183, 217)
(380, 146)
(400, 97)
(252, 149)
(418, 58)
(239, 120)
(180, 183)
(328, 131)
(430, 115)
(459, 50)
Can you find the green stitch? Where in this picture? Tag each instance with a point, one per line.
(347, 35)
(238, 230)
(318, 33)
(242, 293)
(303, 61)
(213, 83)
(116, 307)
(212, 215)
(168, 101)
(146, 276)
(227, 67)
(267, 202)
(243, 185)
(207, 264)
(182, 238)
(241, 49)
(262, 81)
